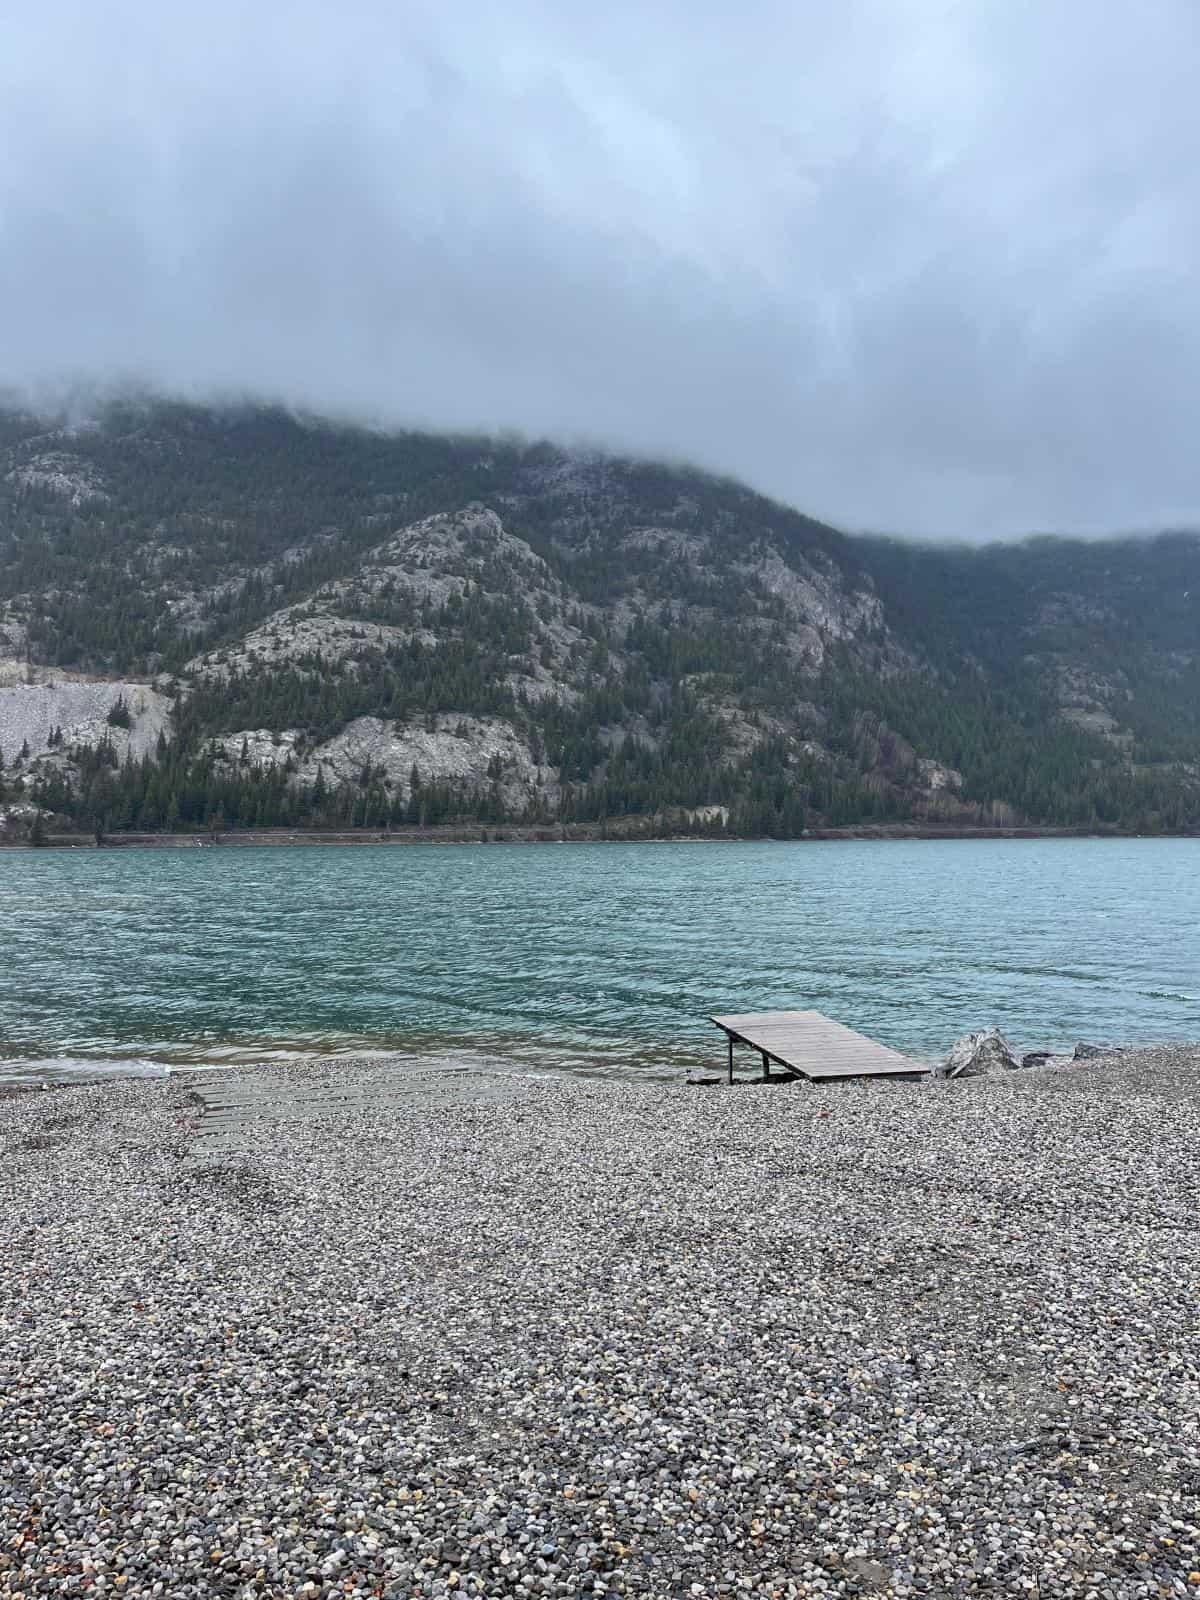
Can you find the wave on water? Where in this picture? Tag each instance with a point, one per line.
(161, 1061)
(78, 1069)
(1169, 994)
(640, 1059)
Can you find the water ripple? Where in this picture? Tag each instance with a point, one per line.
(590, 957)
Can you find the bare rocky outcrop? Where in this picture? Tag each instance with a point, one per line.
(31, 712)
(60, 473)
(298, 632)
(668, 541)
(263, 748)
(936, 777)
(1089, 699)
(821, 608)
(470, 752)
(429, 565)
(1098, 722)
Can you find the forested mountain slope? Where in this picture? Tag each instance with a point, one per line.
(284, 621)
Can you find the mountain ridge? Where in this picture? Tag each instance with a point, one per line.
(334, 626)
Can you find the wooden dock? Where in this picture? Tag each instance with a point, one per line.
(809, 1045)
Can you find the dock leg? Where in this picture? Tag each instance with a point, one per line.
(766, 1065)
(731, 1058)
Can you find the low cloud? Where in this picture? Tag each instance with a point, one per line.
(909, 264)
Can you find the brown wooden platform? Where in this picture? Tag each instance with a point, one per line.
(809, 1045)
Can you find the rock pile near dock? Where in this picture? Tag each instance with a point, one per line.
(987, 1052)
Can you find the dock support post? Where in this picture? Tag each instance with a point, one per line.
(731, 1058)
(766, 1065)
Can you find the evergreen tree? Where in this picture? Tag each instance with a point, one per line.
(119, 715)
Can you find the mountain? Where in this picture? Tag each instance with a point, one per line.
(241, 617)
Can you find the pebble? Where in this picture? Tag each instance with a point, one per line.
(607, 1338)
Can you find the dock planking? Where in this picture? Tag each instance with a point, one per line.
(810, 1045)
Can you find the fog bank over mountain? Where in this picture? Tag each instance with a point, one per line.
(909, 266)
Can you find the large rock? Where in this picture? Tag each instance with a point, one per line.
(980, 1055)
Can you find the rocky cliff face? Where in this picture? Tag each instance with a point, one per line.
(427, 569)
(472, 753)
(537, 631)
(48, 717)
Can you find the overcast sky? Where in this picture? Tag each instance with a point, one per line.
(909, 264)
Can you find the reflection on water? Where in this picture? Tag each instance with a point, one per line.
(585, 958)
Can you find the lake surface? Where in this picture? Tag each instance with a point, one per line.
(584, 957)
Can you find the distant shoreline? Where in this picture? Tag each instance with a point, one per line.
(579, 833)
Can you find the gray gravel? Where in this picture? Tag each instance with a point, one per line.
(586, 1338)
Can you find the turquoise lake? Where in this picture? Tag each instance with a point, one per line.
(584, 957)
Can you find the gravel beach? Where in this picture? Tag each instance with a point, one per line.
(425, 1334)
